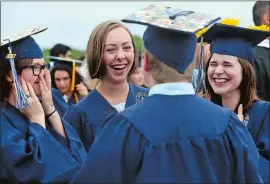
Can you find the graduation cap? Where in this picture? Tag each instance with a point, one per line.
(171, 33)
(21, 46)
(69, 64)
(234, 40)
(227, 38)
(59, 61)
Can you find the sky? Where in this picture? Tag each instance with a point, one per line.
(71, 23)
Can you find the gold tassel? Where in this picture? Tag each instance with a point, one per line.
(73, 76)
(76, 97)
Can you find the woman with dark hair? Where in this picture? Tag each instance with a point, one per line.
(111, 56)
(36, 145)
(231, 82)
(67, 80)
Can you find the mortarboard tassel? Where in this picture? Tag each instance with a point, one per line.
(76, 97)
(73, 76)
(21, 98)
(201, 74)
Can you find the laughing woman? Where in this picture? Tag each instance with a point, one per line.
(111, 56)
(36, 145)
(231, 83)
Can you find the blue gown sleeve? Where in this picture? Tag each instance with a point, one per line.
(75, 119)
(263, 135)
(59, 103)
(71, 142)
(244, 154)
(85, 130)
(260, 131)
(34, 156)
(117, 161)
(61, 139)
(74, 143)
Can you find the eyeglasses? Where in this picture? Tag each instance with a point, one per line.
(37, 68)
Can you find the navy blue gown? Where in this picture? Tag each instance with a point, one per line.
(88, 114)
(30, 153)
(172, 139)
(60, 105)
(259, 127)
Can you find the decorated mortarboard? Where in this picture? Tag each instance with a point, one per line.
(227, 38)
(21, 46)
(19, 36)
(171, 33)
(61, 63)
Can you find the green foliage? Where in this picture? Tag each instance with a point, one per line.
(138, 43)
(77, 54)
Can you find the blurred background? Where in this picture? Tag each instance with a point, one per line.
(71, 23)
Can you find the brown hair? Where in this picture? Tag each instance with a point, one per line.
(247, 86)
(95, 48)
(5, 70)
(163, 73)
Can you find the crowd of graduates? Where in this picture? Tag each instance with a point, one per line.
(190, 108)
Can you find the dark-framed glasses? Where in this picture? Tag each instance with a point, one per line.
(37, 68)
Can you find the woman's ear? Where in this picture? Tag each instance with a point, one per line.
(9, 77)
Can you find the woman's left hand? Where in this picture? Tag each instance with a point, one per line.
(46, 92)
(82, 89)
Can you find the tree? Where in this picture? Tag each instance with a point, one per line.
(138, 43)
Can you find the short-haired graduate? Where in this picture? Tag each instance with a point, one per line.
(172, 136)
(111, 56)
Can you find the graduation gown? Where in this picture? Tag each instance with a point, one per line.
(30, 153)
(87, 115)
(262, 67)
(72, 99)
(172, 139)
(59, 103)
(259, 126)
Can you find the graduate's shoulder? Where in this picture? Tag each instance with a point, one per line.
(7, 110)
(87, 103)
(56, 92)
(261, 104)
(141, 89)
(140, 92)
(259, 109)
(178, 118)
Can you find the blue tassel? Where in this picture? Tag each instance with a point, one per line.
(22, 100)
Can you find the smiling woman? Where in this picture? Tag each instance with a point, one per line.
(231, 83)
(229, 76)
(111, 56)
